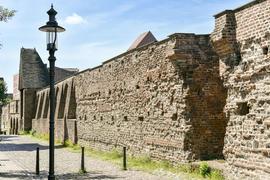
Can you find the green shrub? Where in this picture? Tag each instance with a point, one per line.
(204, 169)
(216, 175)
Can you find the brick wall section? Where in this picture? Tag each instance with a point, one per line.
(65, 111)
(16, 92)
(127, 102)
(145, 99)
(247, 144)
(10, 118)
(5, 117)
(28, 109)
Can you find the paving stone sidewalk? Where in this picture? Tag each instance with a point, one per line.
(17, 159)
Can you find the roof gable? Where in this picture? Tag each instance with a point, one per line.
(144, 39)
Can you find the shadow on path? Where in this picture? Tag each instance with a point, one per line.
(22, 147)
(68, 176)
(14, 174)
(4, 146)
(89, 175)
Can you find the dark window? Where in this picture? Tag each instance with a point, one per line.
(174, 117)
(125, 118)
(265, 50)
(243, 108)
(140, 118)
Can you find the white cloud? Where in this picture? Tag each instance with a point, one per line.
(75, 19)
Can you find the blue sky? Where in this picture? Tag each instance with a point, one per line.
(97, 30)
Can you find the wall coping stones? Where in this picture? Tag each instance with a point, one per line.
(170, 37)
(252, 3)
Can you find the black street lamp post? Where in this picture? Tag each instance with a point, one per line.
(51, 28)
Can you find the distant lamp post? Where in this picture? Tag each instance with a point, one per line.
(51, 28)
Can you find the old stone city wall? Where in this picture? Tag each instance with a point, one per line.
(241, 38)
(160, 100)
(164, 100)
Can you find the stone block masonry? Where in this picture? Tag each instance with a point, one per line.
(164, 100)
(10, 118)
(245, 68)
(65, 111)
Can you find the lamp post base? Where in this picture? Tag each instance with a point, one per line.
(51, 177)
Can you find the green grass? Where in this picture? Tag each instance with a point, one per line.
(24, 132)
(40, 136)
(144, 163)
(216, 175)
(33, 134)
(204, 169)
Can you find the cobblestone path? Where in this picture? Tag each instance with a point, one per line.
(17, 161)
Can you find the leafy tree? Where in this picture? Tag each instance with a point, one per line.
(3, 92)
(6, 14)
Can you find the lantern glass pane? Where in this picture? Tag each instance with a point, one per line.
(50, 40)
